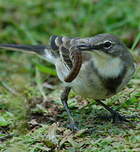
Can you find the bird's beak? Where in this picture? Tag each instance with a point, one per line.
(38, 49)
(87, 47)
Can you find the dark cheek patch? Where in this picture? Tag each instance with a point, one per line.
(111, 84)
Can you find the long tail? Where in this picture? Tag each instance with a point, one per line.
(38, 49)
(42, 50)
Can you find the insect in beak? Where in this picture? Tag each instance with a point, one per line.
(87, 47)
(84, 47)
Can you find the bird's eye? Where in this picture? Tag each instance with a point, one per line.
(107, 44)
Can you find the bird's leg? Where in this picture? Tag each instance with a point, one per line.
(116, 116)
(64, 99)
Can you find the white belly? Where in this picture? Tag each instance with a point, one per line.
(88, 84)
(85, 84)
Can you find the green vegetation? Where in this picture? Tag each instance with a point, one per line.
(32, 118)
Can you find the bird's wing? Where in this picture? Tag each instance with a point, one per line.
(65, 48)
(60, 46)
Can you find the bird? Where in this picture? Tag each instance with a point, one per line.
(96, 67)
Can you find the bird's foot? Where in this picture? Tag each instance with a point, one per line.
(73, 127)
(117, 117)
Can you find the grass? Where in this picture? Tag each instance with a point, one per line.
(32, 118)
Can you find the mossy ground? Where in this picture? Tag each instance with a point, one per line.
(32, 118)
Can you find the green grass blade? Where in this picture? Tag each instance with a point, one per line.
(39, 84)
(45, 69)
(137, 40)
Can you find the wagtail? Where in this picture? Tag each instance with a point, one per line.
(95, 67)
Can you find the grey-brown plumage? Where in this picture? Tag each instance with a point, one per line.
(95, 67)
(88, 47)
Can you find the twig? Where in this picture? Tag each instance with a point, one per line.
(11, 90)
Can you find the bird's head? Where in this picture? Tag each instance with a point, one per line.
(105, 44)
(109, 54)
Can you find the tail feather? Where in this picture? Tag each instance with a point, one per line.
(39, 49)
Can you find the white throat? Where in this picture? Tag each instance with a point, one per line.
(107, 66)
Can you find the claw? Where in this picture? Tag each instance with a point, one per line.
(118, 118)
(73, 127)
